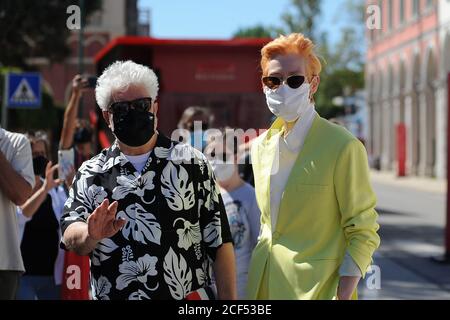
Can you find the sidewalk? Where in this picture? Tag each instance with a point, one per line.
(417, 183)
(423, 198)
(412, 223)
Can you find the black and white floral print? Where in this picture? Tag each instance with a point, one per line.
(175, 222)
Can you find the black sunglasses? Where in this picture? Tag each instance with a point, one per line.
(123, 107)
(293, 82)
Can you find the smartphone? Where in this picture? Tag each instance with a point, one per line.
(66, 161)
(91, 81)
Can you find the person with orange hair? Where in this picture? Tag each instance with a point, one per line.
(318, 222)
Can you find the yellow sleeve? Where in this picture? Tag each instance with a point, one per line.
(357, 202)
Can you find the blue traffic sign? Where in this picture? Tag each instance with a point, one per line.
(23, 90)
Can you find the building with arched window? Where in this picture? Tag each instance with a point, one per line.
(408, 60)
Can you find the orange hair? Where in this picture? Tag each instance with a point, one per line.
(294, 43)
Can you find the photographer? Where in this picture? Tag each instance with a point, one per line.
(77, 133)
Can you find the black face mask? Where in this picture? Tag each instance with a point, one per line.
(39, 164)
(135, 128)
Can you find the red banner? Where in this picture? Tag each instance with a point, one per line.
(401, 149)
(75, 284)
(447, 229)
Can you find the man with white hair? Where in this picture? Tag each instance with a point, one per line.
(147, 210)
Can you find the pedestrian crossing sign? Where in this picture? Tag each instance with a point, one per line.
(23, 90)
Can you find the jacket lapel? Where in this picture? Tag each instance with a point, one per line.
(267, 151)
(299, 168)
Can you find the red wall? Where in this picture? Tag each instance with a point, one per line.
(227, 80)
(208, 70)
(221, 75)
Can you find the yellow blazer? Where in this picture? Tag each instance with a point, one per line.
(327, 208)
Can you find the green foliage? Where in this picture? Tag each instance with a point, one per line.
(258, 31)
(36, 29)
(47, 117)
(342, 63)
(332, 85)
(301, 17)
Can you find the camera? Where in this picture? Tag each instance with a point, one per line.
(92, 81)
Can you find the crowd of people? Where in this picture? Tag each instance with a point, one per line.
(195, 215)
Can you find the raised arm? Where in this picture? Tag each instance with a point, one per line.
(70, 115)
(82, 237)
(31, 206)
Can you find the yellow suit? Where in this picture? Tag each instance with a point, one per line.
(327, 208)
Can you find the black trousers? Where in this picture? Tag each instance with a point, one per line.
(9, 283)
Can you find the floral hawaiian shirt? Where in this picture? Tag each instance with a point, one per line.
(175, 222)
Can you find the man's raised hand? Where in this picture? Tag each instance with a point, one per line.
(102, 223)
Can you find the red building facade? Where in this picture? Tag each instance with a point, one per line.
(222, 75)
(406, 81)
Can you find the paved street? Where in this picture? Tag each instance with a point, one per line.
(412, 219)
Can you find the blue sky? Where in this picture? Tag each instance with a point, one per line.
(219, 19)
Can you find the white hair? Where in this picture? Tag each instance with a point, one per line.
(119, 76)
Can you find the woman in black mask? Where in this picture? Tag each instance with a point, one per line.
(39, 217)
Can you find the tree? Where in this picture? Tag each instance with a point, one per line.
(300, 17)
(258, 31)
(332, 85)
(36, 29)
(343, 62)
(304, 18)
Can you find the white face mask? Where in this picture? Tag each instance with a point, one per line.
(287, 103)
(223, 171)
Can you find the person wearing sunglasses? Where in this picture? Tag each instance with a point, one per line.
(318, 222)
(147, 210)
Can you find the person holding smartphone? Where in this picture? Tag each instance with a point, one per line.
(75, 147)
(38, 221)
(76, 133)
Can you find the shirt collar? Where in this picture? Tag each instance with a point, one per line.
(295, 139)
(115, 157)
